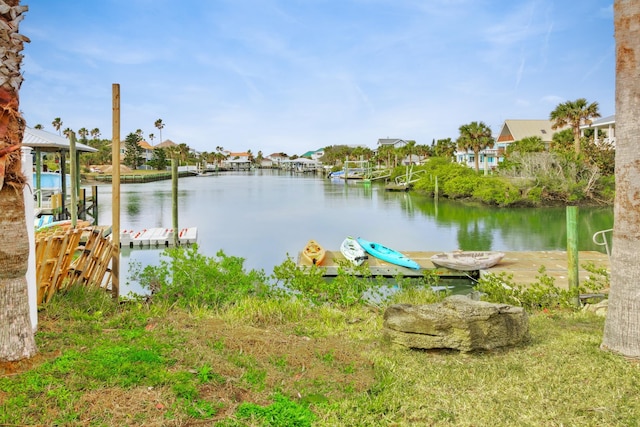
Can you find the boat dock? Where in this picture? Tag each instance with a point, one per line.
(156, 237)
(524, 266)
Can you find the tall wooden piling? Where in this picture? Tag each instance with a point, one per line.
(174, 201)
(74, 174)
(115, 192)
(572, 251)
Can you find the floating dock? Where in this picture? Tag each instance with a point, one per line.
(157, 237)
(524, 266)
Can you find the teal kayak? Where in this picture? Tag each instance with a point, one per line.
(387, 254)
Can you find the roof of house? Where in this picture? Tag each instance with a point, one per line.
(515, 130)
(301, 160)
(277, 155)
(47, 141)
(390, 141)
(145, 145)
(166, 143)
(601, 122)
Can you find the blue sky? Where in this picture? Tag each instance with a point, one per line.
(297, 75)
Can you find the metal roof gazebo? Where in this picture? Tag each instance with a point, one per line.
(42, 141)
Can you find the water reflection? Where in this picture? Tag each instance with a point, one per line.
(265, 216)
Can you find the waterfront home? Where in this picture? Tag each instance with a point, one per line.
(607, 126)
(277, 158)
(511, 131)
(394, 142)
(238, 161)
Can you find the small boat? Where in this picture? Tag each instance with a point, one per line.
(386, 254)
(467, 260)
(351, 250)
(313, 252)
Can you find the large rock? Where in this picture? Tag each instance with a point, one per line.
(457, 322)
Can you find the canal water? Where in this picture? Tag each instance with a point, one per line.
(265, 216)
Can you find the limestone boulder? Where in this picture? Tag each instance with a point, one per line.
(457, 322)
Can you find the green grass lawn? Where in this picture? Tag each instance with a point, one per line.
(285, 362)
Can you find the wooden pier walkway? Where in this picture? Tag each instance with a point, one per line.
(523, 265)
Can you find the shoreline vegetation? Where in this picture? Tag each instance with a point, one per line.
(443, 178)
(213, 344)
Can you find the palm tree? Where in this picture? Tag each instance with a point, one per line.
(152, 137)
(83, 132)
(95, 133)
(158, 123)
(67, 132)
(57, 124)
(475, 136)
(408, 150)
(16, 333)
(38, 126)
(575, 114)
(622, 326)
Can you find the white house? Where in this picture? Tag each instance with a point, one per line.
(605, 124)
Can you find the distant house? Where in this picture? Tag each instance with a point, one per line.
(314, 155)
(301, 164)
(277, 158)
(147, 153)
(511, 131)
(394, 142)
(606, 125)
(266, 163)
(238, 160)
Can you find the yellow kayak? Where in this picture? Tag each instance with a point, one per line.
(314, 253)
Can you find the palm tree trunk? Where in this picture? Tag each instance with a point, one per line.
(622, 327)
(16, 334)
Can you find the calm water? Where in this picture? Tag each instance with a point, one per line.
(265, 216)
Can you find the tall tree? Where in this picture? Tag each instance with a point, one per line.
(622, 326)
(57, 124)
(444, 148)
(83, 132)
(38, 126)
(158, 124)
(575, 114)
(16, 333)
(152, 137)
(475, 136)
(182, 152)
(95, 133)
(133, 151)
(159, 159)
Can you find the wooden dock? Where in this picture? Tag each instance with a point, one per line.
(523, 265)
(156, 237)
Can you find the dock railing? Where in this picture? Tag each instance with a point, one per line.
(600, 239)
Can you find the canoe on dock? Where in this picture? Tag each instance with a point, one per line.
(467, 260)
(522, 266)
(387, 254)
(314, 253)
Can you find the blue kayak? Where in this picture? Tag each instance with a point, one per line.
(386, 254)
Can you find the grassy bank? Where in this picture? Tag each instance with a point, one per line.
(289, 363)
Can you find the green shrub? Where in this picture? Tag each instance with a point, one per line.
(344, 290)
(496, 191)
(188, 278)
(461, 186)
(543, 294)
